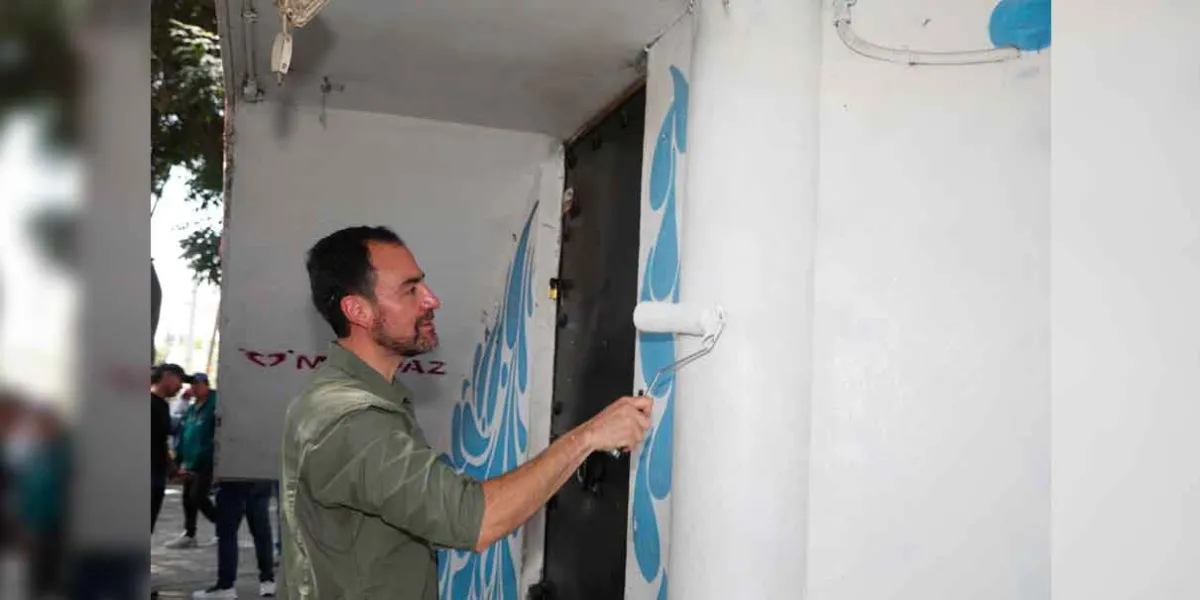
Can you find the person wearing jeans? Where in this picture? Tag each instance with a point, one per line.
(197, 487)
(235, 499)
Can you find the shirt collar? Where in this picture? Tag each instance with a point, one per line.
(349, 363)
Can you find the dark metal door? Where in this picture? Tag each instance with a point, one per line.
(586, 521)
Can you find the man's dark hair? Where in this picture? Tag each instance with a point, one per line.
(157, 372)
(339, 265)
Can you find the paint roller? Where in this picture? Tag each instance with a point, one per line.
(707, 323)
(679, 319)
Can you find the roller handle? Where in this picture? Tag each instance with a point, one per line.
(616, 452)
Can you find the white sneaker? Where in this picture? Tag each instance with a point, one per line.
(215, 593)
(181, 542)
(266, 589)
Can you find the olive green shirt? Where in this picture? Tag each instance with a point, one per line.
(364, 498)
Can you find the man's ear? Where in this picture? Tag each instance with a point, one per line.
(358, 310)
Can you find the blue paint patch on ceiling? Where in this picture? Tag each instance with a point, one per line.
(1023, 24)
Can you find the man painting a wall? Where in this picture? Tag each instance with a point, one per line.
(365, 497)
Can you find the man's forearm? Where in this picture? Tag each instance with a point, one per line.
(512, 498)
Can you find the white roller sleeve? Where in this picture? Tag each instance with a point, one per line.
(668, 317)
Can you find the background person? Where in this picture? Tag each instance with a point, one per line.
(252, 500)
(194, 455)
(165, 382)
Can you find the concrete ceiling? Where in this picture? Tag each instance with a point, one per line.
(546, 66)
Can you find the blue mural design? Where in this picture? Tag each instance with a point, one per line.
(488, 436)
(660, 283)
(1024, 24)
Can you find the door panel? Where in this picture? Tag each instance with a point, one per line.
(594, 360)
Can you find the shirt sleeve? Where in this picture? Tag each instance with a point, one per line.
(371, 463)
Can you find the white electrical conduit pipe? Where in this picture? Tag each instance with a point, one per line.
(841, 22)
(250, 89)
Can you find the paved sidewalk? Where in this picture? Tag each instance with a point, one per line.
(178, 573)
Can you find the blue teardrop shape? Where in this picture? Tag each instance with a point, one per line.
(662, 168)
(680, 105)
(663, 264)
(645, 524)
(659, 476)
(1023, 24)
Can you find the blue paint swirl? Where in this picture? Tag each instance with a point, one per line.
(488, 437)
(1023, 24)
(660, 283)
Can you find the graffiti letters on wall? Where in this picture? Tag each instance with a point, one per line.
(307, 361)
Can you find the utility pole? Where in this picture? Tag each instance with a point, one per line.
(212, 342)
(190, 343)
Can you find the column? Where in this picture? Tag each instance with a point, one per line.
(739, 512)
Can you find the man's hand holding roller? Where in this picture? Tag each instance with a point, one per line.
(512, 498)
(621, 425)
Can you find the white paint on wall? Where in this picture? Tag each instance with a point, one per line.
(739, 509)
(1126, 301)
(930, 473)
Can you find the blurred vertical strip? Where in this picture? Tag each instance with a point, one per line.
(110, 509)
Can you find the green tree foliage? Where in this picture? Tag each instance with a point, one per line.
(187, 116)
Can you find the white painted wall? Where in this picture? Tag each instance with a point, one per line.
(1126, 303)
(935, 329)
(930, 474)
(739, 508)
(461, 197)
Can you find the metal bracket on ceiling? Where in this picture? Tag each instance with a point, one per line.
(327, 87)
(251, 91)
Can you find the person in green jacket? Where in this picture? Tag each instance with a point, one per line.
(365, 498)
(194, 455)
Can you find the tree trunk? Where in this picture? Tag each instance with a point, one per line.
(155, 307)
